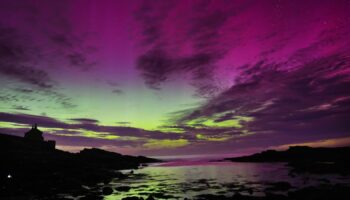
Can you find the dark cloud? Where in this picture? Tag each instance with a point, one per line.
(85, 124)
(31, 119)
(78, 59)
(8, 98)
(28, 75)
(159, 62)
(123, 123)
(312, 99)
(24, 90)
(151, 15)
(190, 132)
(40, 40)
(20, 108)
(118, 91)
(116, 87)
(64, 41)
(209, 32)
(155, 66)
(85, 120)
(17, 60)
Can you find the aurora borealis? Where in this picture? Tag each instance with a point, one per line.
(176, 77)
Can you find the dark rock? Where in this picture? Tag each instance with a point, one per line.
(272, 196)
(280, 186)
(132, 198)
(150, 197)
(210, 197)
(107, 190)
(123, 188)
(91, 197)
(161, 195)
(237, 196)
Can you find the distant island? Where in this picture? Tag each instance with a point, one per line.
(306, 159)
(32, 168)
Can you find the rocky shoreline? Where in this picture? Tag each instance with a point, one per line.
(35, 173)
(28, 174)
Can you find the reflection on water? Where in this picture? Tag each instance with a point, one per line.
(177, 180)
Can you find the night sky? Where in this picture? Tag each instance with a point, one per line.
(177, 77)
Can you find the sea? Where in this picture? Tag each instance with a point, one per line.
(191, 178)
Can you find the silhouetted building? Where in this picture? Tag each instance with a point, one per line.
(33, 140)
(34, 134)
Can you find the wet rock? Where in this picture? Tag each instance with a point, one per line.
(338, 192)
(237, 196)
(204, 181)
(123, 188)
(272, 196)
(210, 197)
(280, 186)
(324, 180)
(132, 198)
(91, 197)
(161, 195)
(250, 191)
(150, 197)
(107, 190)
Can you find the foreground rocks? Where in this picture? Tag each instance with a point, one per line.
(42, 174)
(326, 192)
(321, 192)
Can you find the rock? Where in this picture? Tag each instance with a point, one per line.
(123, 188)
(237, 196)
(150, 197)
(107, 190)
(91, 197)
(272, 196)
(132, 198)
(250, 191)
(161, 195)
(280, 186)
(210, 197)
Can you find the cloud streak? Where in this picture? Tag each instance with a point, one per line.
(311, 101)
(84, 124)
(32, 47)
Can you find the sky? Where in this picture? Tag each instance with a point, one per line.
(177, 77)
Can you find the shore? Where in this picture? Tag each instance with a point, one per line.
(93, 174)
(29, 172)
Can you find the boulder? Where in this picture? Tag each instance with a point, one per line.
(123, 188)
(107, 191)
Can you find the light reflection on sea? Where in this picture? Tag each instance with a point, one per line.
(188, 179)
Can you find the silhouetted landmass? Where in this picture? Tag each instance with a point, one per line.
(301, 159)
(33, 168)
(306, 159)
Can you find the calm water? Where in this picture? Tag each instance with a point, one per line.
(180, 179)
